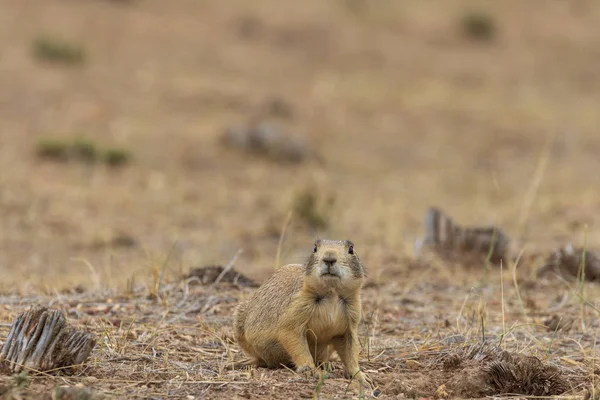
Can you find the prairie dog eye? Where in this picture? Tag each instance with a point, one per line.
(315, 249)
(351, 250)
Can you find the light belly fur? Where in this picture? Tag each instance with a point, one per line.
(328, 321)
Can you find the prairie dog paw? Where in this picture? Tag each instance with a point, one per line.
(306, 370)
(365, 380)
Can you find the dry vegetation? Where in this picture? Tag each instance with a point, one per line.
(485, 109)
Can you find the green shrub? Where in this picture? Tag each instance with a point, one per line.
(53, 149)
(58, 51)
(81, 150)
(84, 150)
(115, 157)
(312, 210)
(479, 26)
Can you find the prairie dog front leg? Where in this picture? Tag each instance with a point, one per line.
(347, 347)
(295, 343)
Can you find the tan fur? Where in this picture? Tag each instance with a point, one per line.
(298, 315)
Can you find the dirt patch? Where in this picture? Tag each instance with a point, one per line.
(15, 392)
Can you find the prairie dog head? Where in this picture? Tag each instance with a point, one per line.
(335, 264)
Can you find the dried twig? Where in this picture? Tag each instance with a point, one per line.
(228, 267)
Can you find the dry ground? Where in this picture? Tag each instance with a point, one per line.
(405, 112)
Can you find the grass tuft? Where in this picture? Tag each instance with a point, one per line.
(313, 210)
(81, 150)
(478, 26)
(53, 150)
(581, 278)
(84, 150)
(58, 51)
(22, 379)
(117, 157)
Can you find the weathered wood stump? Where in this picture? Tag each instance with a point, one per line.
(570, 262)
(41, 340)
(464, 244)
(210, 275)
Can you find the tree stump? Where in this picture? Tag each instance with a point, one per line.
(41, 340)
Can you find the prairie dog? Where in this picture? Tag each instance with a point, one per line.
(303, 311)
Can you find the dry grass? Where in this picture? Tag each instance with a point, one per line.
(179, 343)
(405, 112)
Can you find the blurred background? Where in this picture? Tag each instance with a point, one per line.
(143, 133)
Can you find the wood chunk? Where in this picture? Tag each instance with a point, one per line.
(208, 275)
(568, 262)
(556, 323)
(268, 141)
(455, 242)
(41, 340)
(487, 370)
(516, 373)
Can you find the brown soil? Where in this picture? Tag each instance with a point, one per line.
(400, 111)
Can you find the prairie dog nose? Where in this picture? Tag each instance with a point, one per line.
(330, 258)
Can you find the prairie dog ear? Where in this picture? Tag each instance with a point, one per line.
(316, 246)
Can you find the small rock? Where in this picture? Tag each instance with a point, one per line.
(441, 393)
(455, 339)
(412, 364)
